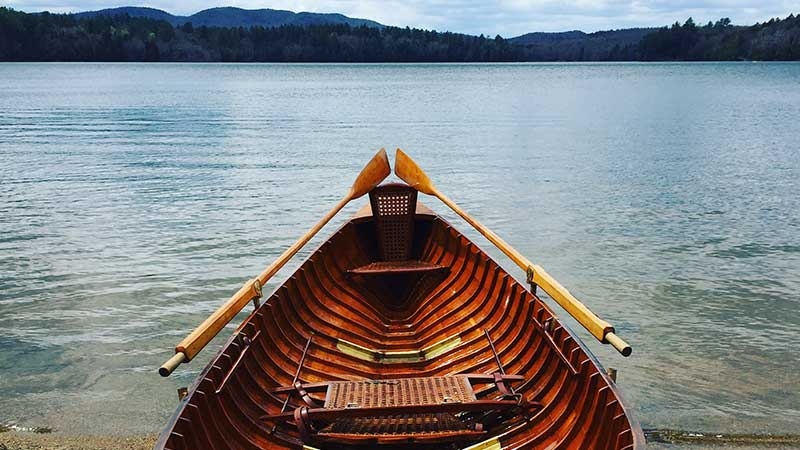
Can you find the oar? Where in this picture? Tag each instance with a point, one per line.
(372, 174)
(411, 173)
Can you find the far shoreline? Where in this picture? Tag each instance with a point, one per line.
(406, 63)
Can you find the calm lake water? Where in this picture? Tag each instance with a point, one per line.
(135, 198)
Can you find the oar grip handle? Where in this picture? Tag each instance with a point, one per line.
(618, 343)
(168, 367)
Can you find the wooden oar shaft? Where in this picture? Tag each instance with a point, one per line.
(598, 327)
(194, 342)
(273, 268)
(559, 293)
(411, 173)
(191, 345)
(371, 175)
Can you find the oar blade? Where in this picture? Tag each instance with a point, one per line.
(376, 170)
(410, 172)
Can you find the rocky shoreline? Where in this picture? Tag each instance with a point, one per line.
(670, 440)
(12, 440)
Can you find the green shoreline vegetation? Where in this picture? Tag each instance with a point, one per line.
(65, 37)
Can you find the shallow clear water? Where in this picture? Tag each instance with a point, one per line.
(135, 198)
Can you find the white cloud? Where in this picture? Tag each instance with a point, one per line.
(504, 17)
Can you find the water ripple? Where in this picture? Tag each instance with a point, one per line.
(135, 198)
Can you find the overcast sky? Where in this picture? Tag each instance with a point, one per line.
(505, 17)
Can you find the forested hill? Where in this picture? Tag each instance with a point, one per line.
(101, 37)
(234, 17)
(617, 45)
(62, 37)
(720, 41)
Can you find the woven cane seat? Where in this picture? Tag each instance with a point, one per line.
(393, 393)
(399, 392)
(402, 410)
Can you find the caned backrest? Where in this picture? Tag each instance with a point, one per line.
(393, 207)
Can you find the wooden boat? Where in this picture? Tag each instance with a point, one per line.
(398, 332)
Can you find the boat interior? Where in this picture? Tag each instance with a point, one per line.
(399, 332)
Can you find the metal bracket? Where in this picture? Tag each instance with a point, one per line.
(548, 325)
(529, 278)
(257, 297)
(612, 373)
(182, 393)
(243, 339)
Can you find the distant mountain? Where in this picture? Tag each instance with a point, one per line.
(234, 17)
(580, 46)
(133, 11)
(544, 37)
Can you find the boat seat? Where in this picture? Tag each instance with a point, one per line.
(398, 267)
(393, 208)
(399, 410)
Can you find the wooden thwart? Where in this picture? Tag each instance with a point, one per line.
(405, 429)
(396, 267)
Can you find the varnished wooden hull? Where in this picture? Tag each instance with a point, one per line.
(431, 329)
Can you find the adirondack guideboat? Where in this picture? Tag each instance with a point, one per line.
(399, 332)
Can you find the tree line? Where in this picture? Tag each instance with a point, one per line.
(59, 37)
(63, 37)
(769, 41)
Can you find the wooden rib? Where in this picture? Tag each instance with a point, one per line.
(580, 408)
